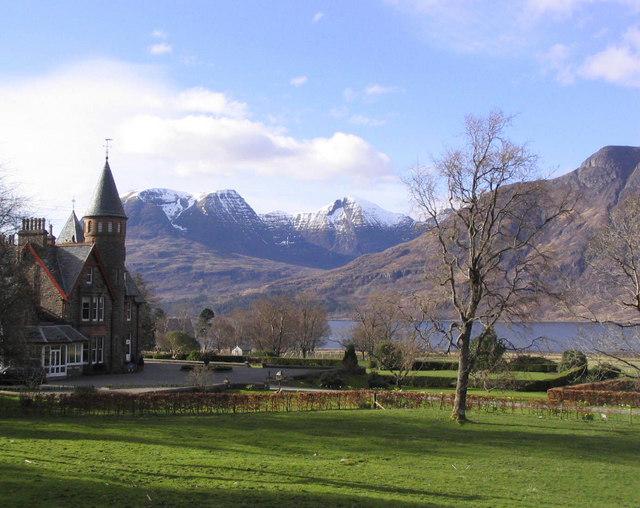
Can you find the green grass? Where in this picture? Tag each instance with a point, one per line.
(340, 458)
(520, 376)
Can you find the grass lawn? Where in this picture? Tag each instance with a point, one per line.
(520, 376)
(339, 458)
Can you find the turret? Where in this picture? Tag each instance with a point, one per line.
(105, 224)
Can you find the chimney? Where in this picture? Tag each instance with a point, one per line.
(33, 231)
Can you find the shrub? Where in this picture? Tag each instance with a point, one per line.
(332, 380)
(487, 350)
(603, 372)
(350, 359)
(199, 376)
(532, 363)
(194, 356)
(84, 390)
(375, 380)
(389, 355)
(571, 359)
(564, 378)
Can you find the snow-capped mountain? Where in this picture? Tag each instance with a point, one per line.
(225, 222)
(354, 226)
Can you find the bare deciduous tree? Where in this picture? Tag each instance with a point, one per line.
(485, 208)
(312, 324)
(15, 292)
(614, 257)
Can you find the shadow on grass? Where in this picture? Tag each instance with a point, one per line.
(26, 487)
(411, 433)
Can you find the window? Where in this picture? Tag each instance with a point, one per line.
(94, 309)
(110, 227)
(127, 310)
(88, 276)
(97, 349)
(119, 227)
(85, 352)
(127, 349)
(101, 308)
(86, 308)
(99, 227)
(74, 353)
(90, 226)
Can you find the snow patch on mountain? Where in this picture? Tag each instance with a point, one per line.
(172, 203)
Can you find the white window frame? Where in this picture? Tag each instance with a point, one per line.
(128, 313)
(75, 354)
(100, 308)
(97, 350)
(88, 277)
(85, 305)
(94, 308)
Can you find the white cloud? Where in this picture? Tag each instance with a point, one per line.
(557, 60)
(159, 34)
(366, 121)
(161, 48)
(376, 89)
(298, 81)
(317, 17)
(163, 136)
(619, 64)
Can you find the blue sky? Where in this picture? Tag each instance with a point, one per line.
(295, 103)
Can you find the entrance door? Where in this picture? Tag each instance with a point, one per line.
(55, 360)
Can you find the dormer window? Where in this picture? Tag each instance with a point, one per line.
(88, 276)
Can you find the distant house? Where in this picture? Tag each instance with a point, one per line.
(241, 351)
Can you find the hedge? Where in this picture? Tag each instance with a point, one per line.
(199, 403)
(531, 363)
(301, 362)
(435, 365)
(625, 392)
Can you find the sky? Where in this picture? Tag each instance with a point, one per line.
(297, 103)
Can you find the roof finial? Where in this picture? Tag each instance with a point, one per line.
(107, 142)
(73, 204)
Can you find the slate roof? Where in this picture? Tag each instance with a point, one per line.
(72, 232)
(131, 289)
(71, 260)
(106, 200)
(54, 334)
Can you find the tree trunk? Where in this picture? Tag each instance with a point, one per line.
(464, 368)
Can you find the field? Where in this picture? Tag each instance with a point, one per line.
(339, 458)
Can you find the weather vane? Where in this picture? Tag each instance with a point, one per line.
(73, 203)
(107, 142)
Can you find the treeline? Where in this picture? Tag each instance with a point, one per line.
(274, 326)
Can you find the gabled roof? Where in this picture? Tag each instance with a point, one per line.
(106, 200)
(72, 232)
(64, 264)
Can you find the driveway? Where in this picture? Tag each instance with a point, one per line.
(169, 374)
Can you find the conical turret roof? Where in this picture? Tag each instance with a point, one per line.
(72, 231)
(106, 200)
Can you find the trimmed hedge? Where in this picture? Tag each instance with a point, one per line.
(531, 363)
(616, 392)
(301, 362)
(435, 365)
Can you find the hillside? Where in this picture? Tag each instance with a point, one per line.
(600, 183)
